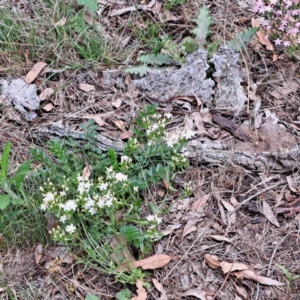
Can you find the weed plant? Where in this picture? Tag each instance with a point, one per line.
(97, 195)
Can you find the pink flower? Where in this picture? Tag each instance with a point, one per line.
(288, 4)
(268, 8)
(292, 31)
(286, 43)
(279, 12)
(297, 24)
(277, 41)
(298, 41)
(273, 2)
(295, 12)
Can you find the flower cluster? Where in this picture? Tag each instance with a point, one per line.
(284, 21)
(92, 197)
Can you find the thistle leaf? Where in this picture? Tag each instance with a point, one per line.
(242, 39)
(203, 21)
(139, 70)
(159, 59)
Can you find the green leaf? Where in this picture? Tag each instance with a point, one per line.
(22, 171)
(123, 295)
(159, 59)
(189, 45)
(139, 70)
(242, 38)
(203, 21)
(4, 201)
(91, 4)
(4, 160)
(15, 201)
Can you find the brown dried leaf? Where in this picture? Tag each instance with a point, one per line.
(46, 93)
(200, 294)
(220, 238)
(249, 274)
(61, 22)
(153, 262)
(231, 267)
(161, 193)
(288, 87)
(291, 184)
(86, 173)
(288, 196)
(167, 16)
(188, 229)
(231, 212)
(117, 103)
(261, 36)
(241, 291)
(34, 72)
(86, 87)
(200, 202)
(48, 107)
(161, 289)
(212, 261)
(121, 256)
(96, 118)
(38, 253)
(141, 292)
(198, 123)
(234, 202)
(267, 211)
(120, 124)
(125, 135)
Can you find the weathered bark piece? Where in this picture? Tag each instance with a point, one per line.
(229, 92)
(22, 96)
(204, 150)
(189, 80)
(57, 129)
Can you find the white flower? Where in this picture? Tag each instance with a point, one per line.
(109, 170)
(43, 206)
(89, 203)
(70, 205)
(108, 203)
(188, 134)
(70, 228)
(63, 219)
(92, 211)
(80, 178)
(62, 193)
(135, 189)
(103, 186)
(168, 115)
(121, 177)
(83, 186)
(101, 203)
(125, 159)
(154, 218)
(48, 197)
(150, 218)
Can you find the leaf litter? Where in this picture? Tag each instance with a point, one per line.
(210, 214)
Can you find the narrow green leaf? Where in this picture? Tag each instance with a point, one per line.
(4, 201)
(139, 70)
(203, 21)
(91, 4)
(4, 160)
(242, 39)
(22, 171)
(159, 59)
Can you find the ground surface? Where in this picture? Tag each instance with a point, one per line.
(212, 221)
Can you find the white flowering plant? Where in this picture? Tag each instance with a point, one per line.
(108, 202)
(283, 22)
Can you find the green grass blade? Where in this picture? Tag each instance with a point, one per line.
(4, 160)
